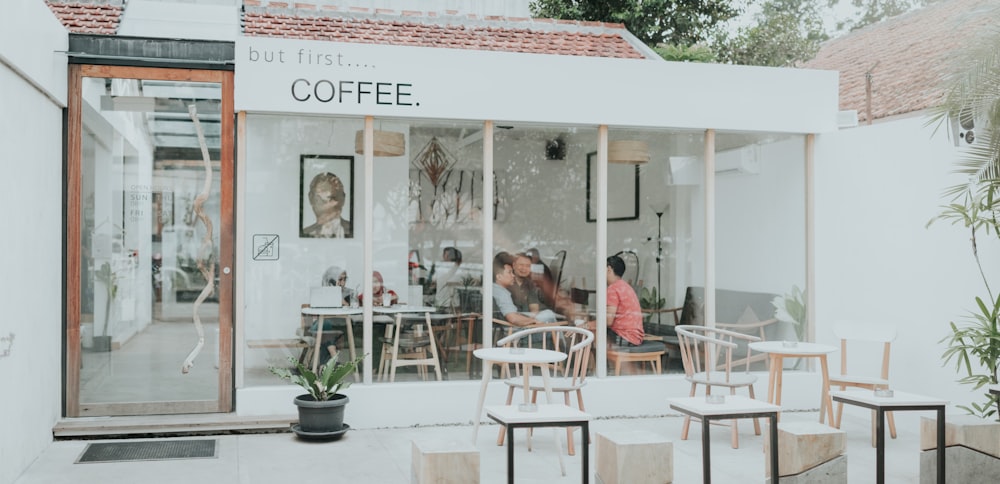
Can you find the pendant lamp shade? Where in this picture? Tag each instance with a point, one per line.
(628, 151)
(387, 143)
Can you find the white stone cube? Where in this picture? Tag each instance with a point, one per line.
(628, 457)
(970, 431)
(802, 446)
(444, 462)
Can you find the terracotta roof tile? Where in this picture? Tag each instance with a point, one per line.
(540, 36)
(907, 56)
(89, 18)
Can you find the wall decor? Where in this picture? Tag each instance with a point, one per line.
(623, 190)
(326, 196)
(453, 197)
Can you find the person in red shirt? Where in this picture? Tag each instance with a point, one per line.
(624, 312)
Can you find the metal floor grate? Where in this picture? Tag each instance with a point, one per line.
(148, 450)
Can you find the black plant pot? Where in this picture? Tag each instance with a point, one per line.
(321, 419)
(101, 344)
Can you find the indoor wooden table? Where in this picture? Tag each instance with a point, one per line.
(777, 351)
(899, 401)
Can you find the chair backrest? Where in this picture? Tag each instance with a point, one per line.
(631, 274)
(705, 349)
(573, 341)
(869, 332)
(556, 267)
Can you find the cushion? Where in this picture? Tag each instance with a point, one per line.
(645, 347)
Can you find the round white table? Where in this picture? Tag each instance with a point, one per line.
(521, 356)
(777, 351)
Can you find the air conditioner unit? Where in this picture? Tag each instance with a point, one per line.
(742, 161)
(687, 170)
(966, 129)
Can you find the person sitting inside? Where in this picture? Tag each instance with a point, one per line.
(379, 292)
(524, 292)
(448, 277)
(503, 305)
(624, 312)
(335, 276)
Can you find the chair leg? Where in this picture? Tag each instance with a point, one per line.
(840, 414)
(756, 422)
(687, 419)
(503, 430)
(892, 424)
(569, 430)
(735, 430)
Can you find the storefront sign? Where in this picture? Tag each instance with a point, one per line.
(314, 77)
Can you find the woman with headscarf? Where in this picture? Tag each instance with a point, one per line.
(379, 292)
(335, 276)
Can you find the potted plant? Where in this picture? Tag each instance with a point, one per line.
(109, 278)
(321, 409)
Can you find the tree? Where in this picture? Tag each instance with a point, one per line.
(872, 11)
(786, 32)
(676, 22)
(973, 92)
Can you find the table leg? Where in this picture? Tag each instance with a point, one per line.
(395, 347)
(350, 341)
(706, 459)
(555, 430)
(827, 403)
(433, 343)
(510, 452)
(774, 447)
(771, 376)
(940, 445)
(779, 361)
(880, 447)
(487, 376)
(318, 344)
(585, 438)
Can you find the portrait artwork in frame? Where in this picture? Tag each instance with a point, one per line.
(326, 196)
(623, 190)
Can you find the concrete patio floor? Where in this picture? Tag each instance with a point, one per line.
(384, 455)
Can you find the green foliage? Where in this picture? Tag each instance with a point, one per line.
(974, 93)
(681, 53)
(786, 32)
(649, 299)
(330, 380)
(978, 341)
(873, 11)
(678, 22)
(792, 308)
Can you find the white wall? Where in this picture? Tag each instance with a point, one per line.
(876, 188)
(33, 83)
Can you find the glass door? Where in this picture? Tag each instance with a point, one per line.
(149, 249)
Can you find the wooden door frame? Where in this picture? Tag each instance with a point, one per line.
(72, 217)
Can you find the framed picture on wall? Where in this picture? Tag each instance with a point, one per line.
(326, 196)
(623, 190)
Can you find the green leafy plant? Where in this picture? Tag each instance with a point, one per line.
(792, 308)
(979, 340)
(330, 380)
(105, 275)
(650, 299)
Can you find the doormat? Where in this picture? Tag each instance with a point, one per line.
(148, 450)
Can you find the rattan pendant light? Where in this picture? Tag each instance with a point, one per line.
(628, 151)
(387, 143)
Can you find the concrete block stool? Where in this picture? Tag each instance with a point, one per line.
(972, 449)
(634, 456)
(444, 462)
(808, 452)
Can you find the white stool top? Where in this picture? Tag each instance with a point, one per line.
(509, 414)
(898, 399)
(733, 404)
(311, 311)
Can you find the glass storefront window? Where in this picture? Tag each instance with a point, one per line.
(760, 234)
(655, 226)
(304, 229)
